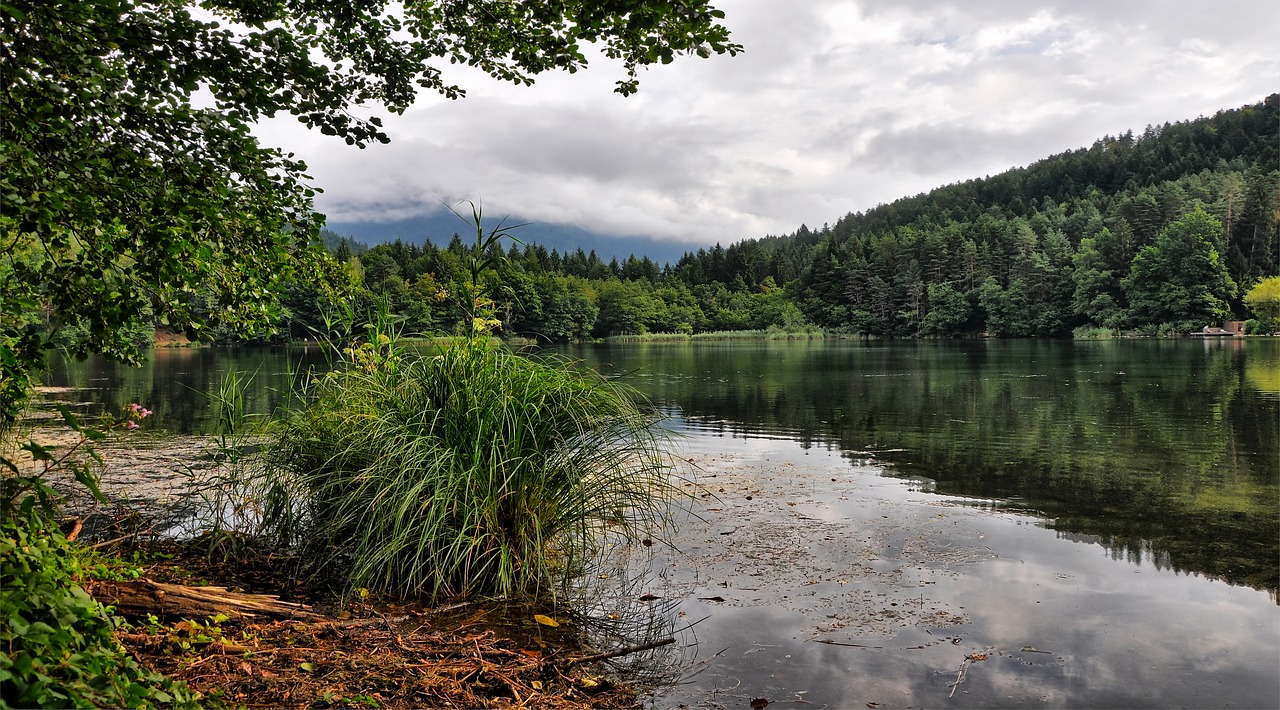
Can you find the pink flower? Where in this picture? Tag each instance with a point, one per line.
(131, 425)
(144, 413)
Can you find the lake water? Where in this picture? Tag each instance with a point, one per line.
(1049, 523)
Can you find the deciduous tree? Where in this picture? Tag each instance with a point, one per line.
(129, 173)
(1180, 279)
(1264, 300)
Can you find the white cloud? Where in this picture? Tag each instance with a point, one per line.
(834, 107)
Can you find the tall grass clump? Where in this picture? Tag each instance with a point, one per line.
(795, 332)
(464, 468)
(649, 338)
(469, 469)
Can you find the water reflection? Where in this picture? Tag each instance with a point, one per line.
(839, 587)
(1066, 506)
(176, 383)
(1167, 451)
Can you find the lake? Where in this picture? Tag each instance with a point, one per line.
(898, 524)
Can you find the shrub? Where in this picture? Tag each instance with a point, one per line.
(57, 644)
(1254, 326)
(467, 470)
(1089, 332)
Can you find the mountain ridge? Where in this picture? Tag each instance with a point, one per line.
(439, 227)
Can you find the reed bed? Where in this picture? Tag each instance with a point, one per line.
(771, 333)
(468, 471)
(650, 338)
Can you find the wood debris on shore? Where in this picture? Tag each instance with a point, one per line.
(250, 649)
(405, 664)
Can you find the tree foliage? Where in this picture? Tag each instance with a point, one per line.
(1264, 300)
(931, 265)
(131, 181)
(1042, 250)
(1181, 279)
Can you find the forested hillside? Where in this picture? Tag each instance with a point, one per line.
(1159, 232)
(1167, 228)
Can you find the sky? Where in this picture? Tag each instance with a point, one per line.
(834, 107)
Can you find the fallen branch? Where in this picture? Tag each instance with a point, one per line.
(964, 666)
(127, 536)
(137, 599)
(843, 643)
(71, 528)
(626, 650)
(449, 607)
(357, 623)
(964, 669)
(112, 541)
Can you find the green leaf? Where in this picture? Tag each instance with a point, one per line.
(89, 480)
(15, 12)
(38, 451)
(68, 418)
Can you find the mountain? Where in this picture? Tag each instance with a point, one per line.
(439, 227)
(1158, 232)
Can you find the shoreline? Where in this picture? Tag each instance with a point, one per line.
(793, 562)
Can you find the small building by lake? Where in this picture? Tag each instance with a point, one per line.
(1229, 328)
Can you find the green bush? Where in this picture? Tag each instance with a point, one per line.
(1089, 332)
(57, 647)
(467, 470)
(1256, 326)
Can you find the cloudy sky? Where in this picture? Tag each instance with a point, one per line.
(836, 106)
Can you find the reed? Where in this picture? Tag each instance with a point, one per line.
(470, 470)
(649, 338)
(773, 332)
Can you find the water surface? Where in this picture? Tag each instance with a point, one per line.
(1164, 451)
(1068, 523)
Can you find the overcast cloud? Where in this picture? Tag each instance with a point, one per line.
(835, 107)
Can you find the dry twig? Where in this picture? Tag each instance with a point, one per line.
(620, 652)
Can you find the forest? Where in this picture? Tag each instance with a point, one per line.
(1156, 233)
(1160, 233)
